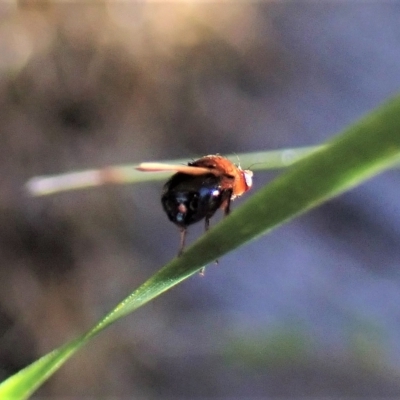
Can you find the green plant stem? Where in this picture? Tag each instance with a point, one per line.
(127, 174)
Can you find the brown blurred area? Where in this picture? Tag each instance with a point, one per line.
(86, 85)
(91, 84)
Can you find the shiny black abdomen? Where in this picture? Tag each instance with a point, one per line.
(188, 199)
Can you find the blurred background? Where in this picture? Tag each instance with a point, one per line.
(310, 311)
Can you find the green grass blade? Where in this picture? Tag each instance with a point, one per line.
(363, 150)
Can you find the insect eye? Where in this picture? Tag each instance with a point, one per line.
(248, 176)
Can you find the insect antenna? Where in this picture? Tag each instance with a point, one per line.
(238, 160)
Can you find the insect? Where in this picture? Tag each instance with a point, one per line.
(197, 190)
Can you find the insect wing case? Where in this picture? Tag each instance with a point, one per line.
(232, 176)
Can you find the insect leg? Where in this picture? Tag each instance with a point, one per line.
(227, 207)
(183, 239)
(207, 227)
(207, 224)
